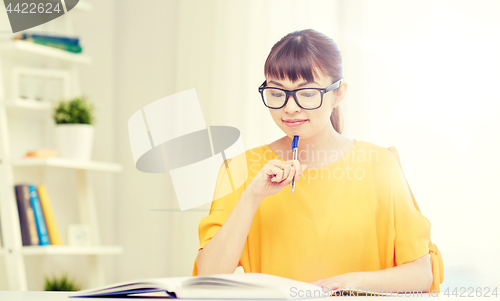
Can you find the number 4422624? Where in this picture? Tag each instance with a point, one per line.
(33, 8)
(472, 292)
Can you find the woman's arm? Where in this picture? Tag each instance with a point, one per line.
(411, 276)
(222, 253)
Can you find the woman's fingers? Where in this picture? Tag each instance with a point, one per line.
(285, 171)
(276, 173)
(299, 169)
(288, 172)
(291, 175)
(280, 164)
(275, 170)
(299, 172)
(269, 171)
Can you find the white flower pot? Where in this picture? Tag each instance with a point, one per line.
(74, 141)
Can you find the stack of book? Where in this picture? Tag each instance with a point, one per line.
(64, 43)
(38, 224)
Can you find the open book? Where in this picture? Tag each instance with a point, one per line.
(222, 286)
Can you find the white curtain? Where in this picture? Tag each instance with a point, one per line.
(430, 88)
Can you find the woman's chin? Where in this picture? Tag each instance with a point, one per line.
(301, 134)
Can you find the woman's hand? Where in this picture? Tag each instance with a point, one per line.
(274, 176)
(344, 281)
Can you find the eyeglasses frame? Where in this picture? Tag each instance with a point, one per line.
(292, 93)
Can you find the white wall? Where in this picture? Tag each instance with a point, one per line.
(145, 58)
(97, 31)
(431, 79)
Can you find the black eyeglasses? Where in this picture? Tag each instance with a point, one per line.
(306, 98)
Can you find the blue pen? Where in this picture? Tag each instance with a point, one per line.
(295, 148)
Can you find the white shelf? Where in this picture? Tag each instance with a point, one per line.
(31, 48)
(23, 57)
(71, 250)
(68, 163)
(28, 104)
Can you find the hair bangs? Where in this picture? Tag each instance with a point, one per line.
(292, 61)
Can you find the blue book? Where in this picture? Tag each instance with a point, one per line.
(55, 39)
(41, 227)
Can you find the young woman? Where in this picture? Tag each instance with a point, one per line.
(351, 220)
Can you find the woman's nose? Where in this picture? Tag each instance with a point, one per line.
(291, 105)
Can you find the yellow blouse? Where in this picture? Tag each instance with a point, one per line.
(356, 214)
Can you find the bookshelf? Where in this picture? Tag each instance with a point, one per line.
(66, 163)
(70, 250)
(18, 49)
(29, 55)
(30, 105)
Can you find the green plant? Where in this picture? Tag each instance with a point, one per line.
(60, 284)
(76, 110)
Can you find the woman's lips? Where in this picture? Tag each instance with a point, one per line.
(294, 123)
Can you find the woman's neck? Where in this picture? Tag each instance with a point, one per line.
(326, 139)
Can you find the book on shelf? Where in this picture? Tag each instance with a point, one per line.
(53, 38)
(64, 43)
(48, 213)
(33, 222)
(62, 46)
(41, 227)
(27, 221)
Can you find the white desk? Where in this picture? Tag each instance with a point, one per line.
(43, 296)
(58, 296)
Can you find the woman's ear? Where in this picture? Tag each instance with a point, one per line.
(340, 93)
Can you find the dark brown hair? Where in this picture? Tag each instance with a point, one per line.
(299, 54)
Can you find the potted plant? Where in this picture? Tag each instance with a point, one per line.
(74, 128)
(62, 283)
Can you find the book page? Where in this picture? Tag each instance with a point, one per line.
(248, 286)
(166, 284)
(248, 279)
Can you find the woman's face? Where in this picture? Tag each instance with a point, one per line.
(294, 120)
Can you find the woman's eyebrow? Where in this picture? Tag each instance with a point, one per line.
(276, 83)
(300, 85)
(306, 83)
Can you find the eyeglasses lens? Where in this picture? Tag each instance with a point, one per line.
(307, 98)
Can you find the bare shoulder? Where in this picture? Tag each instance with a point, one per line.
(346, 142)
